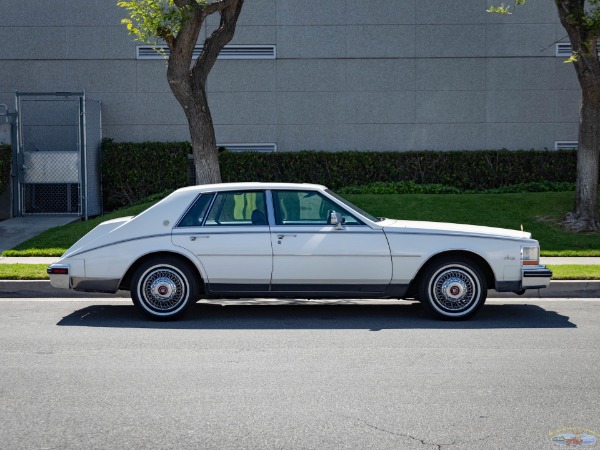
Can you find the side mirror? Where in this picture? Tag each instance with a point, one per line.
(337, 219)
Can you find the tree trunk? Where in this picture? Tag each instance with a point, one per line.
(584, 41)
(187, 79)
(585, 214)
(204, 144)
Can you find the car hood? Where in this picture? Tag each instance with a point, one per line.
(452, 228)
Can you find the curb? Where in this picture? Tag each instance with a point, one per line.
(43, 289)
(557, 289)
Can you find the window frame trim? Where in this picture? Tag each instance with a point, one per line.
(190, 206)
(217, 193)
(323, 196)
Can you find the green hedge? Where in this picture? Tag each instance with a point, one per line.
(131, 171)
(479, 170)
(410, 187)
(5, 160)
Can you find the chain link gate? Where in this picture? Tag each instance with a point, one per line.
(57, 155)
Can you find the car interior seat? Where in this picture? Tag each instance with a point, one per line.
(258, 217)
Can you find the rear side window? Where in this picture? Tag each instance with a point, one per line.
(238, 208)
(195, 215)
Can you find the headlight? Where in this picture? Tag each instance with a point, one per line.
(530, 256)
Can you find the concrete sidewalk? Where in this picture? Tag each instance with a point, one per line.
(19, 229)
(556, 261)
(27, 260)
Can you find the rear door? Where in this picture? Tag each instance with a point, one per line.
(229, 233)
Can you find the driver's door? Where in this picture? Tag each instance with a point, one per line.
(312, 255)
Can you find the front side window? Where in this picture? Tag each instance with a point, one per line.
(307, 208)
(238, 208)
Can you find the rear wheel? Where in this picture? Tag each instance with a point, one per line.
(164, 288)
(453, 288)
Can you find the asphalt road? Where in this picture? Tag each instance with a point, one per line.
(92, 373)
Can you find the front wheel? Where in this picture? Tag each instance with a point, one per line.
(453, 288)
(164, 288)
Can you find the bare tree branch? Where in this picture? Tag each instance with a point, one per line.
(217, 6)
(218, 39)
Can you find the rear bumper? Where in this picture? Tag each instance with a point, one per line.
(60, 277)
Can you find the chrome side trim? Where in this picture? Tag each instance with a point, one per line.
(308, 291)
(214, 230)
(449, 233)
(199, 232)
(152, 236)
(270, 208)
(214, 194)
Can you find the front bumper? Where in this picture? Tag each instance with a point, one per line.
(532, 277)
(536, 278)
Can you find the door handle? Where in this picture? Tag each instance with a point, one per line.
(281, 236)
(205, 236)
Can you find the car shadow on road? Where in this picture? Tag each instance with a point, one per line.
(332, 315)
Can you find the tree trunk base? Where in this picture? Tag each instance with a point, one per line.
(579, 223)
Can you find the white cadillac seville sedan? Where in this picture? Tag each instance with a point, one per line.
(293, 240)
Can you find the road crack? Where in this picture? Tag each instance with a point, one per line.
(438, 446)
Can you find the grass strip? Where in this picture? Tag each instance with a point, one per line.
(23, 272)
(575, 272)
(538, 212)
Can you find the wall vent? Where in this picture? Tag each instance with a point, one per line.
(564, 49)
(566, 145)
(260, 148)
(228, 52)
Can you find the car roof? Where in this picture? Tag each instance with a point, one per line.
(250, 186)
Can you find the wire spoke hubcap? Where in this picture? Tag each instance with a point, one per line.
(454, 289)
(164, 289)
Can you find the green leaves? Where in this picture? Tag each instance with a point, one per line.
(502, 9)
(505, 9)
(152, 19)
(573, 58)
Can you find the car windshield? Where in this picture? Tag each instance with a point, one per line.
(371, 217)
